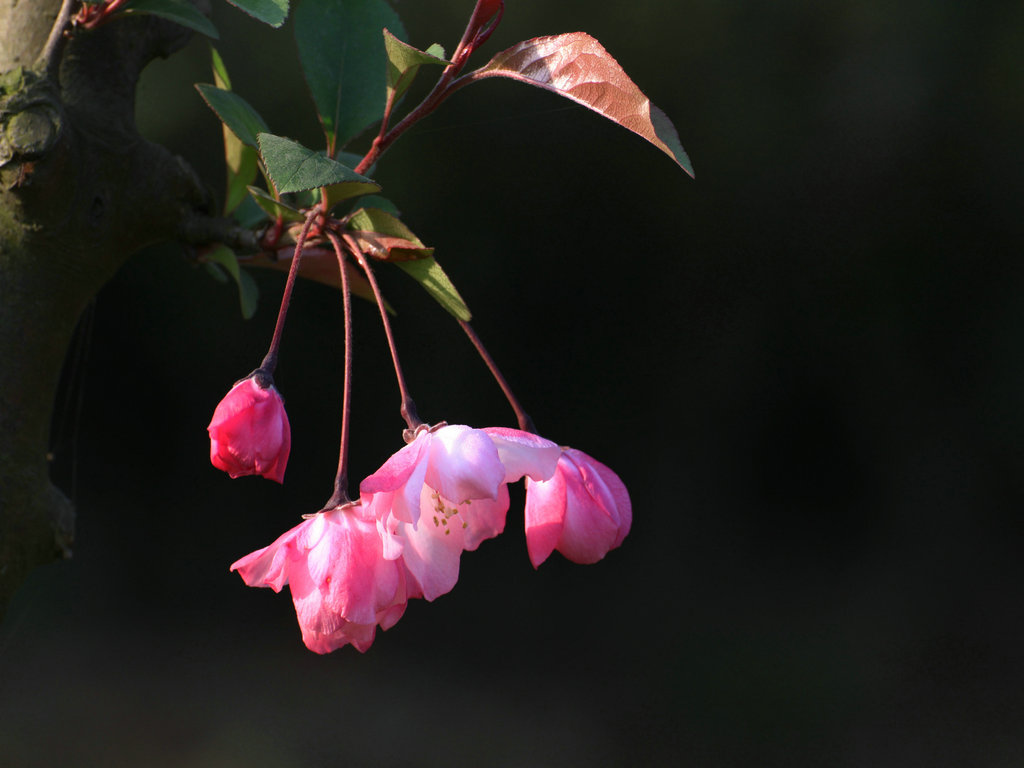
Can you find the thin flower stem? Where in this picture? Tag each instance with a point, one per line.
(270, 361)
(525, 422)
(408, 408)
(341, 496)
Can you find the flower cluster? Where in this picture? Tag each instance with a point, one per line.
(354, 567)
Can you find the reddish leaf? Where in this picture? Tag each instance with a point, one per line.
(389, 247)
(319, 264)
(578, 67)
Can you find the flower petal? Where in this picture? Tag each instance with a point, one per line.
(483, 519)
(464, 464)
(268, 567)
(396, 486)
(544, 516)
(431, 549)
(583, 511)
(608, 490)
(588, 532)
(340, 582)
(523, 453)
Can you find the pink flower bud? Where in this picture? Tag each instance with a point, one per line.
(583, 511)
(484, 11)
(249, 432)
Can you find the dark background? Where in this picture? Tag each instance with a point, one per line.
(806, 365)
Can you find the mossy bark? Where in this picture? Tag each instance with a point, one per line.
(80, 191)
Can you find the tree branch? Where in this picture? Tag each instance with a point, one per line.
(24, 29)
(80, 191)
(49, 59)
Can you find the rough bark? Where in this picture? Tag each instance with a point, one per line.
(80, 191)
(24, 27)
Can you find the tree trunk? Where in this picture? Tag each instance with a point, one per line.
(80, 191)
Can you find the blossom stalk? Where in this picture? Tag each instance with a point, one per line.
(525, 422)
(341, 496)
(408, 407)
(270, 360)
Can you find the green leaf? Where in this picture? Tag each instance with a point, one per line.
(220, 72)
(342, 54)
(240, 159)
(242, 167)
(234, 111)
(383, 236)
(180, 11)
(351, 159)
(381, 203)
(248, 291)
(275, 208)
(428, 273)
(293, 168)
(248, 214)
(226, 258)
(215, 271)
(306, 198)
(272, 12)
(336, 193)
(422, 267)
(404, 63)
(578, 67)
(377, 220)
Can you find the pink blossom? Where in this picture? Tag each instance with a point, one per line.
(341, 584)
(583, 511)
(524, 453)
(249, 432)
(457, 461)
(446, 492)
